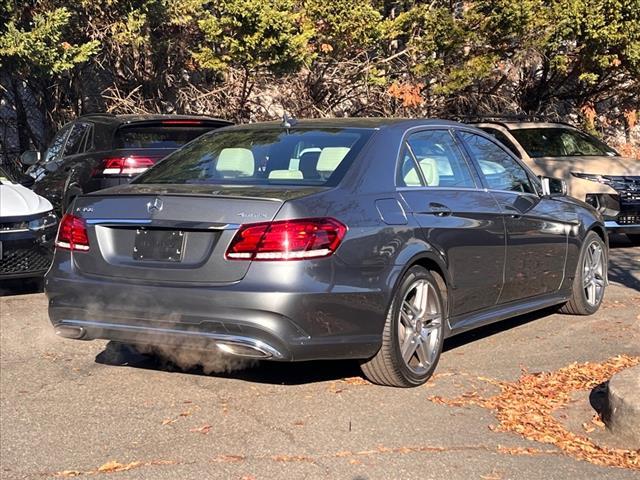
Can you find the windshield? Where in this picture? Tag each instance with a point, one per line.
(560, 142)
(266, 156)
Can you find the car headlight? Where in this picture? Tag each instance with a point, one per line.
(42, 223)
(592, 177)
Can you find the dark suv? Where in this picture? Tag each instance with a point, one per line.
(103, 150)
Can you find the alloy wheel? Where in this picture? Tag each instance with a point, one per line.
(419, 326)
(593, 274)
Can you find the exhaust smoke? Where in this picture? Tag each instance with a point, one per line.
(210, 360)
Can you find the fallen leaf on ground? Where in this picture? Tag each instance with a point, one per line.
(111, 467)
(203, 429)
(114, 466)
(526, 407)
(68, 473)
(519, 450)
(291, 458)
(356, 381)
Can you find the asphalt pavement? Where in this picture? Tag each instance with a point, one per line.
(89, 409)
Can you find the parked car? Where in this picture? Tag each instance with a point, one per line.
(102, 150)
(594, 172)
(27, 230)
(369, 239)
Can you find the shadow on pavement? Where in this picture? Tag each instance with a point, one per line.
(624, 262)
(21, 286)
(275, 373)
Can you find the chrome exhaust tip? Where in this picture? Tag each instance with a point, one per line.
(68, 331)
(241, 350)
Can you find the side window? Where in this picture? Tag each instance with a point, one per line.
(440, 159)
(499, 169)
(408, 175)
(502, 138)
(76, 141)
(57, 144)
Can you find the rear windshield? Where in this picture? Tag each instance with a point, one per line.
(560, 142)
(157, 136)
(263, 157)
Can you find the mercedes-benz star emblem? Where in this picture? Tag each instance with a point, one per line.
(155, 206)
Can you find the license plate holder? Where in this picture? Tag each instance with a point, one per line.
(158, 245)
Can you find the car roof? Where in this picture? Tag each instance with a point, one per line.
(109, 118)
(351, 122)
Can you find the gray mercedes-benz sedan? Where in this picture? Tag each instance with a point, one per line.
(368, 239)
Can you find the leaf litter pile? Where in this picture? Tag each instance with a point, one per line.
(526, 406)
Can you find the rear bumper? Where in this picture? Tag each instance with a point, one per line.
(228, 344)
(254, 322)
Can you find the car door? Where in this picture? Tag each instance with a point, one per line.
(456, 216)
(536, 235)
(59, 163)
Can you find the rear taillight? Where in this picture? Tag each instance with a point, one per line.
(72, 234)
(287, 240)
(131, 165)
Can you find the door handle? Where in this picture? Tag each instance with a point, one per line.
(439, 209)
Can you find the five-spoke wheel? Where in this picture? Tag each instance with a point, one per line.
(413, 333)
(591, 277)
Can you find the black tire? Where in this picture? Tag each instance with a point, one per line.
(578, 303)
(634, 238)
(387, 367)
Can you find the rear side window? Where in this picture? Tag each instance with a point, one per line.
(55, 148)
(77, 139)
(262, 157)
(499, 169)
(432, 157)
(132, 136)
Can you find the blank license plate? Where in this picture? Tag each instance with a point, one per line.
(158, 245)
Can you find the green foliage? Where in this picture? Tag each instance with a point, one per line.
(42, 50)
(343, 27)
(252, 36)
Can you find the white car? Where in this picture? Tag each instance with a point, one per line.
(27, 230)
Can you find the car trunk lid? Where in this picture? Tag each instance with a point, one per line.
(172, 234)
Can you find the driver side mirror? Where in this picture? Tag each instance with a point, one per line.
(553, 187)
(30, 157)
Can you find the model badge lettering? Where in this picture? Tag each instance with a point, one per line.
(252, 215)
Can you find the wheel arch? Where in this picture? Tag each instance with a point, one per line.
(434, 262)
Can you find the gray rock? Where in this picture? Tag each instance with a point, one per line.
(622, 410)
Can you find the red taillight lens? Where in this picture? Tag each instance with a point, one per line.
(72, 234)
(287, 240)
(124, 166)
